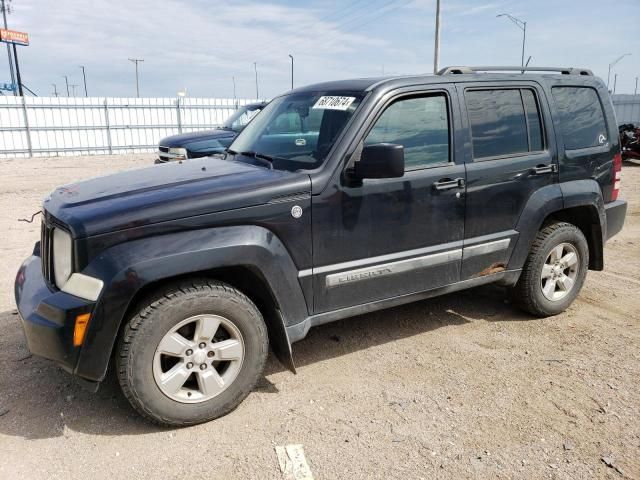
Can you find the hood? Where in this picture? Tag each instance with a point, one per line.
(167, 192)
(184, 138)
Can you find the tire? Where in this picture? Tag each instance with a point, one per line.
(204, 332)
(533, 292)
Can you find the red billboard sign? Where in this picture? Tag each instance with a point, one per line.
(13, 36)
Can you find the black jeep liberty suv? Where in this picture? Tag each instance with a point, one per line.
(338, 199)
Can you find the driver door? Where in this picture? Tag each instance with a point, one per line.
(392, 237)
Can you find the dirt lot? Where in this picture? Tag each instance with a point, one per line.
(462, 386)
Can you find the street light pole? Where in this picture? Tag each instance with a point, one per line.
(635, 92)
(255, 67)
(436, 43)
(84, 79)
(291, 57)
(73, 89)
(13, 77)
(136, 61)
(235, 102)
(522, 25)
(613, 64)
(615, 82)
(55, 90)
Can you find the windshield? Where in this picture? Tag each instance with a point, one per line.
(296, 131)
(241, 117)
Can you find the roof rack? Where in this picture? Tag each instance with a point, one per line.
(468, 70)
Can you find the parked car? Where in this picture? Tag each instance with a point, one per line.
(338, 199)
(208, 142)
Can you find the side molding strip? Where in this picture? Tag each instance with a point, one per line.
(392, 268)
(485, 248)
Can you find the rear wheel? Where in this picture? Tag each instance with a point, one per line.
(192, 354)
(554, 271)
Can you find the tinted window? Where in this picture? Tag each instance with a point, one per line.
(581, 117)
(421, 125)
(498, 124)
(536, 142)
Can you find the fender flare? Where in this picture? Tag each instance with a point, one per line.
(553, 199)
(127, 268)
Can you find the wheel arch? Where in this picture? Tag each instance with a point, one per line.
(243, 256)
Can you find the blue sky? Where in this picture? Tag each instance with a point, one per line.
(201, 44)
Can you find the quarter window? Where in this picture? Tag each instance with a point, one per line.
(581, 117)
(504, 122)
(420, 125)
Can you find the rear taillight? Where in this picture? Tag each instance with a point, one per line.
(617, 172)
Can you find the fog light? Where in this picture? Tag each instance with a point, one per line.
(82, 321)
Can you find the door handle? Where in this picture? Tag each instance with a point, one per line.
(542, 169)
(448, 183)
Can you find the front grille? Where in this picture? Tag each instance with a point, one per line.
(46, 251)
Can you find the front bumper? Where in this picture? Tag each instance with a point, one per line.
(615, 213)
(48, 317)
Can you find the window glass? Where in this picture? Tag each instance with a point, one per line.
(581, 117)
(288, 122)
(420, 125)
(498, 125)
(536, 142)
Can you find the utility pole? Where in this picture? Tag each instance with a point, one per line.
(522, 25)
(291, 57)
(4, 17)
(84, 78)
(255, 67)
(436, 47)
(55, 90)
(136, 61)
(613, 64)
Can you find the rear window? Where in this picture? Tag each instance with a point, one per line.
(581, 117)
(504, 122)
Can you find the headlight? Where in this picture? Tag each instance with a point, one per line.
(178, 153)
(61, 256)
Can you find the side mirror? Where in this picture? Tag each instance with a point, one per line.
(382, 160)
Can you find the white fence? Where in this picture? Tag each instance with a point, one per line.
(627, 108)
(53, 126)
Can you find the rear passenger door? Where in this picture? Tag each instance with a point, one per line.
(510, 157)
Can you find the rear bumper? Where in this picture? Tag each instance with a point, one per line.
(48, 317)
(615, 213)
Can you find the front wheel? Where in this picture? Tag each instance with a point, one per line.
(192, 353)
(554, 271)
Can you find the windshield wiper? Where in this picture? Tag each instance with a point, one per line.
(260, 156)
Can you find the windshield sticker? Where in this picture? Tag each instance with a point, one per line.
(334, 103)
(301, 142)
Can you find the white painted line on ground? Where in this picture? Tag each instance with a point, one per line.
(293, 463)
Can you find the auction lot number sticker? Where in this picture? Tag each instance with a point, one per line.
(334, 103)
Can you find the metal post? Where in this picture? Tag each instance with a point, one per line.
(108, 125)
(608, 76)
(84, 79)
(255, 67)
(291, 57)
(26, 122)
(55, 90)
(18, 79)
(179, 115)
(635, 92)
(66, 82)
(613, 64)
(13, 77)
(615, 81)
(436, 47)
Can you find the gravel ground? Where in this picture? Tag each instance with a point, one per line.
(461, 386)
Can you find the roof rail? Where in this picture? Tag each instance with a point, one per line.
(467, 70)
